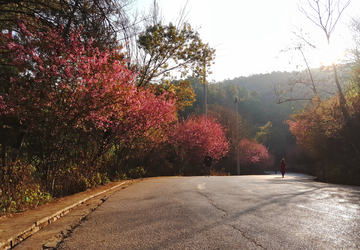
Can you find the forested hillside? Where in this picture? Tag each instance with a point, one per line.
(262, 119)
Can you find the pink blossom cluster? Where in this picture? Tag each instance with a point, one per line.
(63, 88)
(196, 136)
(72, 84)
(252, 152)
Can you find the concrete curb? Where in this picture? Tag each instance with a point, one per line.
(16, 239)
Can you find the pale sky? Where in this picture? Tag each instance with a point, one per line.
(248, 35)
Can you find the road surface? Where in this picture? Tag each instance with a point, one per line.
(225, 212)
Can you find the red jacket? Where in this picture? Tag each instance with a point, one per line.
(282, 166)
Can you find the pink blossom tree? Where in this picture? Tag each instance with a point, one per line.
(254, 156)
(74, 105)
(193, 138)
(143, 128)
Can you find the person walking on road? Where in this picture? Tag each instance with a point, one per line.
(207, 164)
(283, 167)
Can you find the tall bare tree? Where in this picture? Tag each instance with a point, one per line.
(306, 84)
(326, 14)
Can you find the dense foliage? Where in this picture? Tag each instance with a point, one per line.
(193, 138)
(254, 156)
(327, 139)
(77, 110)
(256, 113)
(68, 106)
(100, 19)
(72, 118)
(167, 48)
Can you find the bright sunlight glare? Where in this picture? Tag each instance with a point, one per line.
(330, 54)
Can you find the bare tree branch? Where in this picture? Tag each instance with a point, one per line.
(324, 15)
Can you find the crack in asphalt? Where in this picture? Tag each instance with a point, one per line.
(226, 213)
(212, 204)
(246, 237)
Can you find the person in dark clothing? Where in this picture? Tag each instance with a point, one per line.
(283, 167)
(207, 164)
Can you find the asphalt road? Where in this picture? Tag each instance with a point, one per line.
(234, 212)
